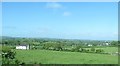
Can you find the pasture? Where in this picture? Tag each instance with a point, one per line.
(108, 49)
(61, 57)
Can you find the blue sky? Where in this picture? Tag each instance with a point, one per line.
(69, 20)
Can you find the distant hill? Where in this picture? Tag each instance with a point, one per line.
(6, 37)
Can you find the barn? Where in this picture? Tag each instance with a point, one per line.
(23, 46)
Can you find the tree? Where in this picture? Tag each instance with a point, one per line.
(7, 55)
(57, 46)
(47, 45)
(76, 49)
(114, 43)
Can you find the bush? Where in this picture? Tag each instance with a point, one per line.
(34, 47)
(92, 49)
(6, 49)
(99, 51)
(84, 50)
(81, 49)
(87, 50)
(22, 64)
(17, 61)
(73, 50)
(76, 49)
(13, 47)
(66, 50)
(7, 55)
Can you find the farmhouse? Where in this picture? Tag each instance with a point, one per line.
(23, 46)
(89, 45)
(106, 44)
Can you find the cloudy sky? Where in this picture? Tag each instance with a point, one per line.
(69, 20)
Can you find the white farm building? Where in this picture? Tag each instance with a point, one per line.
(24, 47)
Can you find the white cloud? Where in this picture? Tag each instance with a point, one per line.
(54, 5)
(66, 14)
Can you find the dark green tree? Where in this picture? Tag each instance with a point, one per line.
(7, 55)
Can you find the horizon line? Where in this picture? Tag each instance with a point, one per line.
(62, 38)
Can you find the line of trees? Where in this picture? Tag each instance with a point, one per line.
(42, 41)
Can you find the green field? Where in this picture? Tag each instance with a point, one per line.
(108, 49)
(61, 57)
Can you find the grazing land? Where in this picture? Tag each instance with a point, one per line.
(61, 57)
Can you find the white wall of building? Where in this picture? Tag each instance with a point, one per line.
(21, 47)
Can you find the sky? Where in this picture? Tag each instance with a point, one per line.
(67, 20)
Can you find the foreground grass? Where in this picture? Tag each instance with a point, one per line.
(61, 57)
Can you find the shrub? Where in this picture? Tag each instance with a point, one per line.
(92, 49)
(81, 49)
(84, 50)
(99, 51)
(7, 55)
(73, 49)
(6, 49)
(87, 50)
(22, 64)
(17, 61)
(13, 47)
(67, 50)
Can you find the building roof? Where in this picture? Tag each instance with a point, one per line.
(23, 45)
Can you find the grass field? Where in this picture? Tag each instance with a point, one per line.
(108, 49)
(61, 57)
